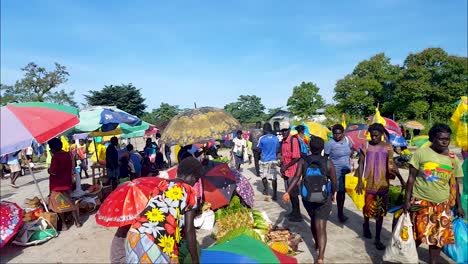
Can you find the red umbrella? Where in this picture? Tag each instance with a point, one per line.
(219, 185)
(126, 202)
(391, 126)
(357, 134)
(11, 219)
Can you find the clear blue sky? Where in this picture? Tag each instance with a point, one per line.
(211, 52)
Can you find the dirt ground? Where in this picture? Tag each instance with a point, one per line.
(91, 243)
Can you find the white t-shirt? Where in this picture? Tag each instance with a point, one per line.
(238, 143)
(29, 151)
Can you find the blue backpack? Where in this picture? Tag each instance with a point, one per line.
(315, 185)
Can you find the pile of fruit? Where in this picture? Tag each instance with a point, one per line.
(235, 220)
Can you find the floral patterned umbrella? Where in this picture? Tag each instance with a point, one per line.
(244, 188)
(11, 219)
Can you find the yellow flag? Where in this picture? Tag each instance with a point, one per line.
(378, 118)
(343, 121)
(65, 144)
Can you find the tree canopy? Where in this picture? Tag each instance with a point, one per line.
(426, 85)
(126, 97)
(161, 115)
(247, 109)
(38, 84)
(305, 100)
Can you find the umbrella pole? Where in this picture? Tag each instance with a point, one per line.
(37, 185)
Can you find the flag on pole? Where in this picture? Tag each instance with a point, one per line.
(378, 118)
(343, 120)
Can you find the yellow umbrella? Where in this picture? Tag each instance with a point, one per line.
(199, 125)
(317, 129)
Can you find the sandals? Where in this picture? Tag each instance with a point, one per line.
(379, 245)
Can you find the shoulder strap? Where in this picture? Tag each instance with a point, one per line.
(292, 142)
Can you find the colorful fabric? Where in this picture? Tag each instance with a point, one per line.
(433, 180)
(376, 171)
(60, 202)
(288, 154)
(157, 232)
(432, 224)
(244, 188)
(11, 219)
(375, 204)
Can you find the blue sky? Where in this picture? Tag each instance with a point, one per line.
(211, 52)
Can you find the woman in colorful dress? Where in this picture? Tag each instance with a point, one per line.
(339, 151)
(432, 171)
(168, 217)
(60, 183)
(377, 168)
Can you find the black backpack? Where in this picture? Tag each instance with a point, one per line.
(315, 185)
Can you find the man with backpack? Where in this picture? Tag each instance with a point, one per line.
(290, 155)
(268, 146)
(317, 189)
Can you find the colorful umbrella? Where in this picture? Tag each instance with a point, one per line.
(414, 125)
(357, 134)
(391, 126)
(11, 219)
(23, 123)
(198, 126)
(244, 188)
(398, 141)
(316, 129)
(419, 141)
(219, 185)
(126, 202)
(105, 118)
(243, 249)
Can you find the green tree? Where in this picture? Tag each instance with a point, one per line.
(247, 109)
(126, 97)
(372, 81)
(161, 115)
(429, 84)
(305, 100)
(38, 84)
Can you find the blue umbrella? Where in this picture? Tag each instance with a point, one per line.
(398, 141)
(115, 116)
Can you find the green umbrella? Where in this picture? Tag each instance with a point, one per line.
(134, 131)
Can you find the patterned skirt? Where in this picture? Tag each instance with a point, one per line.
(432, 224)
(61, 202)
(375, 204)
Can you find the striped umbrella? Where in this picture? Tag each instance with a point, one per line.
(23, 123)
(413, 125)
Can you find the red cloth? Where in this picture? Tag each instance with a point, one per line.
(60, 172)
(289, 155)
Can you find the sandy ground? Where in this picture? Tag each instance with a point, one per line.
(91, 243)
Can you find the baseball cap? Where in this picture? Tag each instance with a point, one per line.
(284, 125)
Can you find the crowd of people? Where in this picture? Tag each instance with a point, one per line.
(313, 172)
